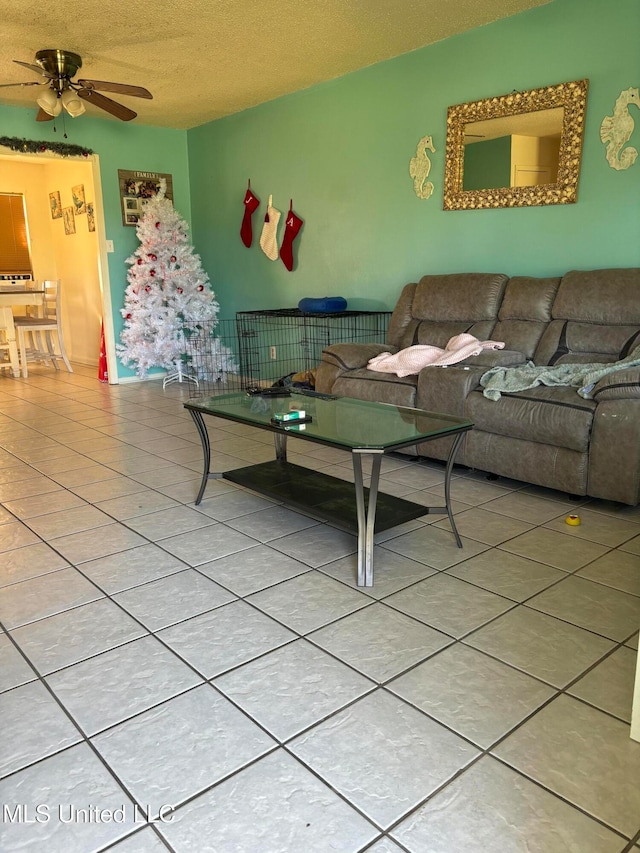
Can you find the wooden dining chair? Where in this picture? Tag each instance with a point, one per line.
(5, 362)
(5, 358)
(44, 334)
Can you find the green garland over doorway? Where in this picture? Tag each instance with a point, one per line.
(32, 146)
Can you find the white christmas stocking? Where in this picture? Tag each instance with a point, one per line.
(268, 238)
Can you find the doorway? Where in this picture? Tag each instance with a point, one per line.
(63, 204)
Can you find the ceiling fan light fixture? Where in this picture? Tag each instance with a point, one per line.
(72, 103)
(62, 92)
(49, 102)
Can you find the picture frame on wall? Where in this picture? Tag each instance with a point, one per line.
(91, 216)
(79, 203)
(131, 209)
(55, 205)
(69, 220)
(136, 188)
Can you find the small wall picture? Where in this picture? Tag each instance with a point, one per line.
(79, 204)
(91, 217)
(131, 209)
(55, 204)
(69, 220)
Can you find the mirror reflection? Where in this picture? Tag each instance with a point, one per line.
(513, 151)
(516, 150)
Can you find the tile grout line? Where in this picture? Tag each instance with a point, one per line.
(382, 686)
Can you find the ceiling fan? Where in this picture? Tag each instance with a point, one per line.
(58, 67)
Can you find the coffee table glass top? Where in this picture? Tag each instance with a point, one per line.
(342, 421)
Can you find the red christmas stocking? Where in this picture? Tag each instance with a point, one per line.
(293, 224)
(251, 204)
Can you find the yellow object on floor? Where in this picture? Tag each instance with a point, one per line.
(573, 520)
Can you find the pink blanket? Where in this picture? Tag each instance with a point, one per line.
(412, 359)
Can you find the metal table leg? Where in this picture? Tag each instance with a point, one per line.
(366, 512)
(447, 485)
(206, 452)
(280, 442)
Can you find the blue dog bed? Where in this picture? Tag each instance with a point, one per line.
(323, 305)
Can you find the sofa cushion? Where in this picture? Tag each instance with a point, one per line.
(556, 416)
(458, 297)
(443, 306)
(576, 342)
(401, 316)
(596, 318)
(525, 312)
(438, 334)
(608, 297)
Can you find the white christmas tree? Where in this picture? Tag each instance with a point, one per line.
(169, 301)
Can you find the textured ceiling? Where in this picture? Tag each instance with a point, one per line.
(204, 59)
(540, 123)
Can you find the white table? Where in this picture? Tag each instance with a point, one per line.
(8, 298)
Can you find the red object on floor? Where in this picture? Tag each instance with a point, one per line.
(103, 375)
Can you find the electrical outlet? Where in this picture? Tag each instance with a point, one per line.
(272, 352)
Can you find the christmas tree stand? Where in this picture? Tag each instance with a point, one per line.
(178, 376)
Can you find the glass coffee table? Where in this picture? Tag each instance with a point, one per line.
(367, 430)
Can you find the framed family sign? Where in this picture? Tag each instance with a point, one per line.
(136, 188)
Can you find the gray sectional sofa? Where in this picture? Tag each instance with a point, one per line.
(549, 436)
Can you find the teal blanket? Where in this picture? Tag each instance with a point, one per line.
(581, 376)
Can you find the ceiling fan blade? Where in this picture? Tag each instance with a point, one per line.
(42, 116)
(7, 85)
(119, 88)
(117, 110)
(35, 68)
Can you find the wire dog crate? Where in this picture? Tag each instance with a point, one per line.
(270, 346)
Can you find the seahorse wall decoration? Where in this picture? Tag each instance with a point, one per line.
(420, 166)
(616, 130)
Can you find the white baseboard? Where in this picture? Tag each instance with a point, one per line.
(127, 380)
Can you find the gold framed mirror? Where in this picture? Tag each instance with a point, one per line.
(516, 150)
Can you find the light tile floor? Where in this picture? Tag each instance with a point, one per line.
(212, 679)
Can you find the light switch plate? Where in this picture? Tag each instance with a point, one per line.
(109, 245)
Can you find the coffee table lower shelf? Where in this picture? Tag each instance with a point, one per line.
(321, 496)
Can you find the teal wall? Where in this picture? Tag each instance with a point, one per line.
(120, 145)
(342, 151)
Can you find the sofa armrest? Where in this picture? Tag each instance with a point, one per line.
(339, 358)
(620, 385)
(353, 356)
(614, 450)
(497, 358)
